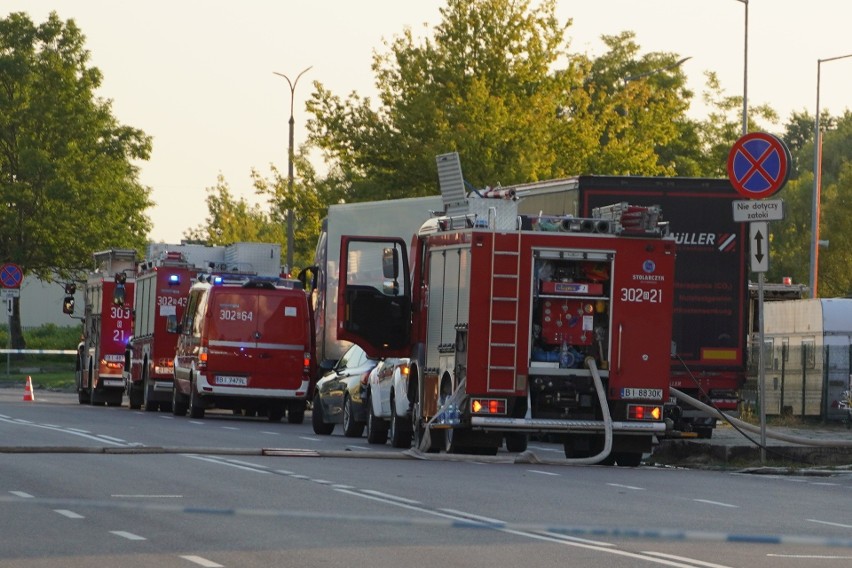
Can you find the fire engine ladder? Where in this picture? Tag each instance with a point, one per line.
(503, 310)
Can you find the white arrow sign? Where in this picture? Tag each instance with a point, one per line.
(759, 239)
(758, 210)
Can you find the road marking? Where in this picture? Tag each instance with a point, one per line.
(632, 487)
(717, 503)
(128, 535)
(543, 472)
(69, 514)
(813, 556)
(392, 497)
(310, 439)
(825, 484)
(250, 467)
(229, 428)
(691, 561)
(829, 523)
(111, 439)
(195, 422)
(21, 494)
(270, 433)
(202, 561)
(146, 496)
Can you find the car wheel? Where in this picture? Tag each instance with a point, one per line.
(377, 429)
(317, 421)
(351, 427)
(178, 403)
(400, 429)
(196, 410)
(516, 442)
(296, 411)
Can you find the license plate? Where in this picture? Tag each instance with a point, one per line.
(650, 394)
(231, 381)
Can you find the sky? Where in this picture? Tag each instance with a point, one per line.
(199, 76)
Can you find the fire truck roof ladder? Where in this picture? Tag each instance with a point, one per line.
(503, 316)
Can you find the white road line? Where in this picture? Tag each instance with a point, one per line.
(195, 422)
(810, 556)
(270, 433)
(392, 497)
(473, 517)
(111, 439)
(538, 471)
(825, 484)
(229, 428)
(145, 496)
(253, 468)
(632, 487)
(829, 523)
(717, 503)
(21, 494)
(128, 535)
(202, 561)
(310, 439)
(284, 471)
(323, 481)
(691, 561)
(69, 514)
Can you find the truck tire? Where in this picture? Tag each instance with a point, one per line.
(317, 421)
(628, 459)
(351, 427)
(296, 411)
(148, 395)
(196, 410)
(516, 442)
(178, 402)
(377, 429)
(134, 397)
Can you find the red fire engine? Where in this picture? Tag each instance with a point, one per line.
(107, 323)
(518, 325)
(162, 286)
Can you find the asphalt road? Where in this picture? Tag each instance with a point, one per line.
(115, 487)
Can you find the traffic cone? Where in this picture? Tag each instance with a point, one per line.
(28, 391)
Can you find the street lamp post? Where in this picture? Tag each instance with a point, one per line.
(290, 229)
(745, 69)
(817, 184)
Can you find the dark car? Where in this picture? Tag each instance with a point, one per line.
(339, 395)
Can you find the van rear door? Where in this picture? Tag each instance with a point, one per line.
(257, 337)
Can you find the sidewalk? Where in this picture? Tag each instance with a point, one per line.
(824, 445)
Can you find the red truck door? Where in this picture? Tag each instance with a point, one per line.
(374, 295)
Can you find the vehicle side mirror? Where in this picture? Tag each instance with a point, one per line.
(172, 325)
(390, 263)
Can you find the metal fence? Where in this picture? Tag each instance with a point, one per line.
(801, 378)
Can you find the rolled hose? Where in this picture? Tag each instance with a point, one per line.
(739, 424)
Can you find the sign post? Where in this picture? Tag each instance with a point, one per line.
(758, 166)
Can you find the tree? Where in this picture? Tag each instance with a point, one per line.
(497, 83)
(67, 177)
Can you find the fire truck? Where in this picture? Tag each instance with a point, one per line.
(107, 326)
(521, 324)
(162, 285)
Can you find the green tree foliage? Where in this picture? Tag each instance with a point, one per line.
(497, 83)
(232, 220)
(67, 178)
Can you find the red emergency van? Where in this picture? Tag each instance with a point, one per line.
(245, 346)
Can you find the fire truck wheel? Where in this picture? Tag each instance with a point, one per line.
(196, 410)
(628, 459)
(400, 429)
(320, 426)
(296, 411)
(178, 403)
(377, 429)
(114, 399)
(134, 397)
(95, 399)
(516, 442)
(148, 395)
(351, 427)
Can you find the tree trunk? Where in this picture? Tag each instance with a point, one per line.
(16, 333)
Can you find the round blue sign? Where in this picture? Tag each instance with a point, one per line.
(758, 165)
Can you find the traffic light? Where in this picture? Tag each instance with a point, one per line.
(68, 305)
(118, 294)
(70, 288)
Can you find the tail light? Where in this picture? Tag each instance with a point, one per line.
(488, 406)
(306, 363)
(645, 412)
(202, 358)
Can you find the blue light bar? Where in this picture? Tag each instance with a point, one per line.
(174, 279)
